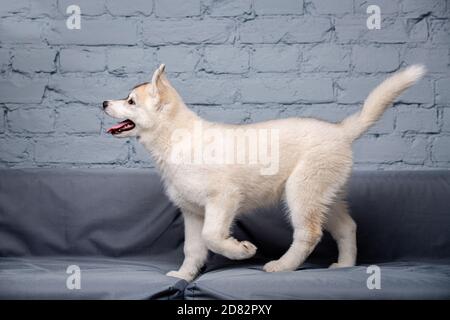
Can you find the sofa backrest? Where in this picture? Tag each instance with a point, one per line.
(112, 212)
(117, 212)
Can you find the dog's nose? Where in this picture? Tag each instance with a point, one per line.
(105, 104)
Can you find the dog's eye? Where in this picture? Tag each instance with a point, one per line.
(131, 101)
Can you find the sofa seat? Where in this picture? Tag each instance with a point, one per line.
(399, 280)
(101, 278)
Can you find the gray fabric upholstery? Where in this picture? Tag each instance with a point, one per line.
(399, 280)
(101, 278)
(122, 231)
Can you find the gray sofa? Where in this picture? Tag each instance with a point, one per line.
(124, 235)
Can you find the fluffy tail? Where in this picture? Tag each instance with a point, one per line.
(379, 99)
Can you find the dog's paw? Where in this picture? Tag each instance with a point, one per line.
(340, 265)
(243, 250)
(177, 274)
(275, 266)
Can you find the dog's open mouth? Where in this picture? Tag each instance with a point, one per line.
(122, 126)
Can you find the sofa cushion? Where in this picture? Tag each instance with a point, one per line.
(100, 278)
(399, 280)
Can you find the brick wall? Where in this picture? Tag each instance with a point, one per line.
(234, 61)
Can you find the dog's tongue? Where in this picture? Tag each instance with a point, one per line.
(118, 126)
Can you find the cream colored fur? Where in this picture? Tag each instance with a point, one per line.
(315, 160)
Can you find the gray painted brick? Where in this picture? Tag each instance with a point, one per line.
(286, 90)
(206, 91)
(226, 115)
(329, 112)
(417, 119)
(417, 8)
(228, 8)
(278, 58)
(14, 149)
(443, 91)
(396, 31)
(92, 89)
(78, 119)
(87, 7)
(417, 152)
(22, 90)
(433, 58)
(177, 8)
(331, 6)
(21, 31)
(350, 29)
(263, 7)
(375, 59)
(82, 60)
(440, 31)
(386, 6)
(385, 124)
(81, 150)
(418, 31)
(94, 32)
(187, 31)
(326, 58)
(354, 28)
(36, 120)
(34, 60)
(178, 58)
(446, 119)
(131, 60)
(140, 154)
(2, 120)
(4, 59)
(355, 90)
(264, 114)
(43, 8)
(226, 59)
(441, 149)
(9, 8)
(336, 113)
(288, 30)
(129, 8)
(422, 92)
(380, 150)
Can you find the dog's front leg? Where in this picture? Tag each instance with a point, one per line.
(195, 251)
(219, 215)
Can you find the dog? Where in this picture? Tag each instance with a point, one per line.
(315, 161)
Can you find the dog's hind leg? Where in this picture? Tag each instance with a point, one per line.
(310, 189)
(219, 215)
(195, 251)
(343, 229)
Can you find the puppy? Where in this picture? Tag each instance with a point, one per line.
(313, 163)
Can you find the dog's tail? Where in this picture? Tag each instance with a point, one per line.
(379, 99)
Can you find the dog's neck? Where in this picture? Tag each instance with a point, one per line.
(158, 139)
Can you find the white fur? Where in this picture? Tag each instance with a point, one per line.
(315, 163)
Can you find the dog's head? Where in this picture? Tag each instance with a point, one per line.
(143, 108)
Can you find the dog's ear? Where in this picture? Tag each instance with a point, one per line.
(159, 81)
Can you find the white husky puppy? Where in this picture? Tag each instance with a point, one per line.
(314, 161)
